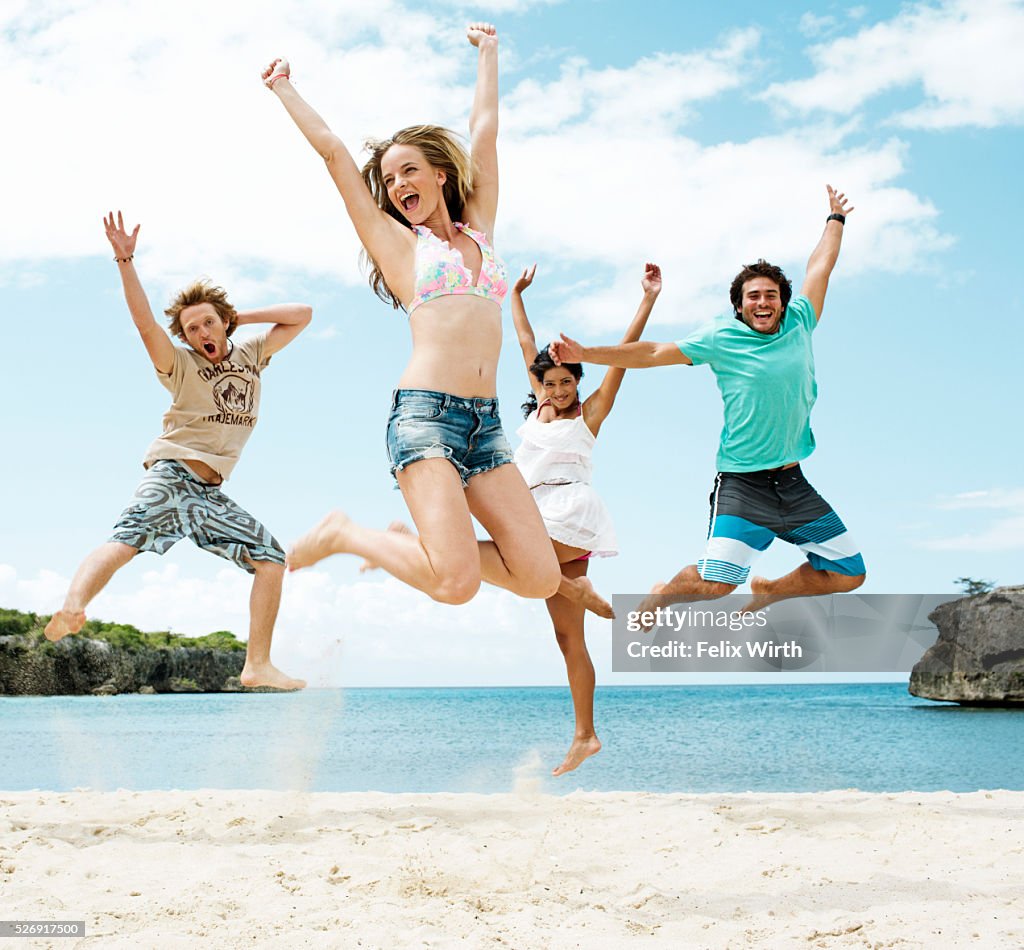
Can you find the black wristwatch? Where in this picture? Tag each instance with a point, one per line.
(841, 218)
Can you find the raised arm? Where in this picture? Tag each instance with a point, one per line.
(823, 258)
(626, 355)
(158, 344)
(289, 320)
(377, 231)
(597, 407)
(524, 332)
(482, 206)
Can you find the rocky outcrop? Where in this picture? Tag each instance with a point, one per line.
(979, 656)
(78, 666)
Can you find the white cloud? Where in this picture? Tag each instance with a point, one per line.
(702, 211)
(656, 91)
(472, 11)
(964, 55)
(813, 25)
(174, 126)
(1010, 499)
(37, 594)
(364, 632)
(1005, 534)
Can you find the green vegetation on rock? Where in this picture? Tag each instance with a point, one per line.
(14, 623)
(972, 586)
(121, 635)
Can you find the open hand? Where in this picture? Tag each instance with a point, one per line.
(651, 282)
(525, 279)
(565, 350)
(476, 33)
(278, 69)
(838, 202)
(121, 241)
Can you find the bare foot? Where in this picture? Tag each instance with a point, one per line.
(327, 538)
(64, 622)
(579, 750)
(655, 599)
(266, 674)
(593, 601)
(760, 588)
(580, 591)
(399, 527)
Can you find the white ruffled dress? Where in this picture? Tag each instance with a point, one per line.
(554, 458)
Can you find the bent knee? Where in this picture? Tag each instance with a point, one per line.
(456, 589)
(847, 582)
(122, 552)
(266, 567)
(716, 589)
(712, 590)
(537, 582)
(544, 585)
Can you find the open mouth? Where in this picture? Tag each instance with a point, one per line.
(410, 202)
(210, 349)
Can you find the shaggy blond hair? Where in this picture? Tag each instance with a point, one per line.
(443, 151)
(201, 291)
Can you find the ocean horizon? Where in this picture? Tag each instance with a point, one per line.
(874, 737)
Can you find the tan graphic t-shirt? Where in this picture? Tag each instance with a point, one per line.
(214, 407)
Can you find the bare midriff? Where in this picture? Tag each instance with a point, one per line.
(204, 471)
(456, 342)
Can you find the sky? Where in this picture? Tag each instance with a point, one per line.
(628, 133)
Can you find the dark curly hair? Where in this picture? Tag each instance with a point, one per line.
(540, 365)
(761, 269)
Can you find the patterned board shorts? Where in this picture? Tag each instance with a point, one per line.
(427, 425)
(172, 503)
(749, 510)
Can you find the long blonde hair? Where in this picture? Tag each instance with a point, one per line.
(442, 150)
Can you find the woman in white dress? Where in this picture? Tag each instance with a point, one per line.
(554, 457)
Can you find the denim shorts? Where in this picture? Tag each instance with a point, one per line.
(429, 425)
(172, 503)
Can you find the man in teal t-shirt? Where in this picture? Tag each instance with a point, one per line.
(763, 361)
(766, 380)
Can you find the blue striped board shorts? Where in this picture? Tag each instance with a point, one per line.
(749, 510)
(172, 503)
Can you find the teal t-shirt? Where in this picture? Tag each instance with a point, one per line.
(767, 385)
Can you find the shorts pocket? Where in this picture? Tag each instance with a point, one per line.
(418, 408)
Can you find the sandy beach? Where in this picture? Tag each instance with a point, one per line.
(255, 869)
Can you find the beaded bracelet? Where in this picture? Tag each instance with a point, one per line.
(124, 260)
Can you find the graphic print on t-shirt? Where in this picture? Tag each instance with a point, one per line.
(233, 394)
(233, 387)
(214, 406)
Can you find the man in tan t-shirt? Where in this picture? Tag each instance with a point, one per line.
(215, 390)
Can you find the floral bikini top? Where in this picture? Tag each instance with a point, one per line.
(441, 272)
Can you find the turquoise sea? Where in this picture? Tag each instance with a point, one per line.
(874, 737)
